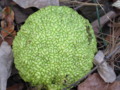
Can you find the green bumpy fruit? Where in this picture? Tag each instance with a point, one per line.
(55, 47)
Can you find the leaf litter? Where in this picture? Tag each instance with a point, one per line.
(7, 23)
(93, 81)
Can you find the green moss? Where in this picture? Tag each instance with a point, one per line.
(55, 47)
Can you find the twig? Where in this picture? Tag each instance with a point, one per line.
(112, 53)
(85, 3)
(103, 9)
(76, 8)
(103, 20)
(95, 68)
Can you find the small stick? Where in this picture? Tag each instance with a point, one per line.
(107, 17)
(85, 3)
(76, 8)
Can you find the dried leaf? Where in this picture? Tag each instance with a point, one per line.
(116, 4)
(114, 86)
(3, 24)
(6, 60)
(9, 40)
(105, 70)
(7, 22)
(95, 82)
(7, 31)
(36, 3)
(8, 13)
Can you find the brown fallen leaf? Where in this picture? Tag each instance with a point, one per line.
(16, 87)
(95, 82)
(7, 39)
(7, 23)
(114, 86)
(7, 31)
(8, 13)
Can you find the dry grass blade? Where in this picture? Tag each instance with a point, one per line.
(114, 42)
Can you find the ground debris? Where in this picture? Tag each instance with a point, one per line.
(95, 82)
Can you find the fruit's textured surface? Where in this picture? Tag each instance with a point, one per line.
(55, 47)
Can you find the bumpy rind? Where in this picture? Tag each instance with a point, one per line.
(55, 47)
